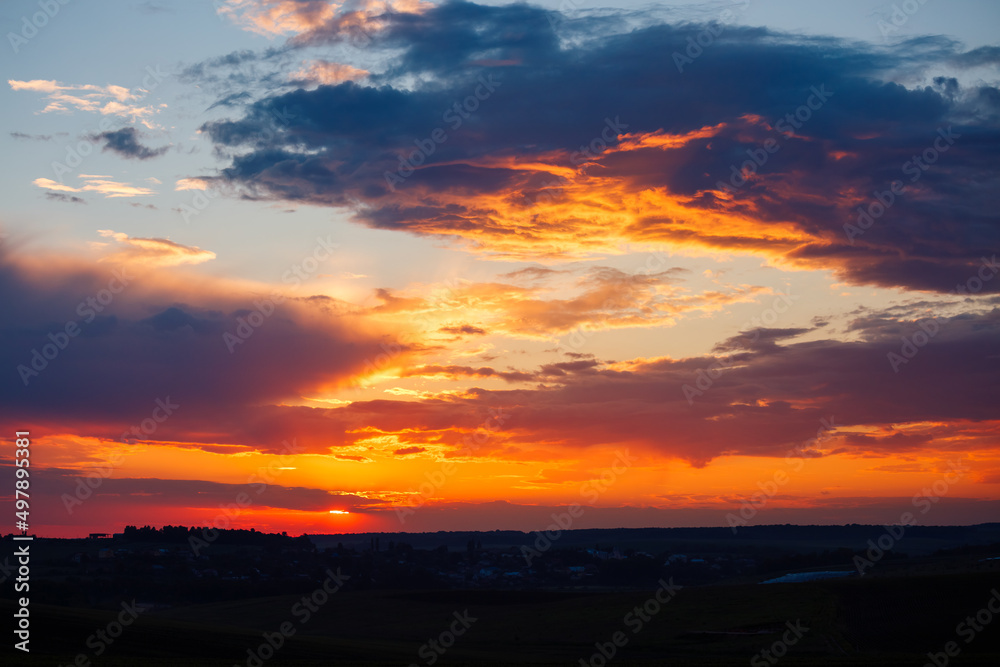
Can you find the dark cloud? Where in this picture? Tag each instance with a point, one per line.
(126, 143)
(152, 8)
(233, 100)
(31, 137)
(765, 401)
(179, 492)
(984, 55)
(63, 197)
(152, 343)
(142, 337)
(454, 371)
(230, 76)
(532, 273)
(465, 330)
(543, 100)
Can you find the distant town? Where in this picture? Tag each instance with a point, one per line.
(172, 565)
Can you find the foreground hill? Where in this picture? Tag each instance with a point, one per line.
(888, 620)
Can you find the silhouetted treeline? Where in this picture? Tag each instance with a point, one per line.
(177, 534)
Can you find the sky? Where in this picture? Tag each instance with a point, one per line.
(401, 265)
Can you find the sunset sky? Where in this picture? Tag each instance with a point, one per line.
(395, 265)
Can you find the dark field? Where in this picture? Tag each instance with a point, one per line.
(894, 615)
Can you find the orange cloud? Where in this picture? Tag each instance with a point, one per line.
(191, 184)
(602, 298)
(152, 251)
(99, 184)
(108, 100)
(327, 73)
(302, 17)
(566, 203)
(278, 17)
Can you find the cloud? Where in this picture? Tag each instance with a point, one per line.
(32, 137)
(191, 184)
(312, 19)
(581, 146)
(277, 17)
(180, 494)
(162, 335)
(763, 401)
(69, 199)
(153, 252)
(464, 330)
(99, 184)
(597, 298)
(324, 72)
(108, 100)
(126, 143)
(453, 372)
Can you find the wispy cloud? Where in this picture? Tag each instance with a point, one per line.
(99, 184)
(191, 184)
(63, 197)
(525, 174)
(327, 73)
(305, 18)
(152, 251)
(108, 100)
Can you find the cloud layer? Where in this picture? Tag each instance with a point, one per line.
(529, 137)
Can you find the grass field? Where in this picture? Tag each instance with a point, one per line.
(861, 621)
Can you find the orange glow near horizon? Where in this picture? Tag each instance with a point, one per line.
(594, 477)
